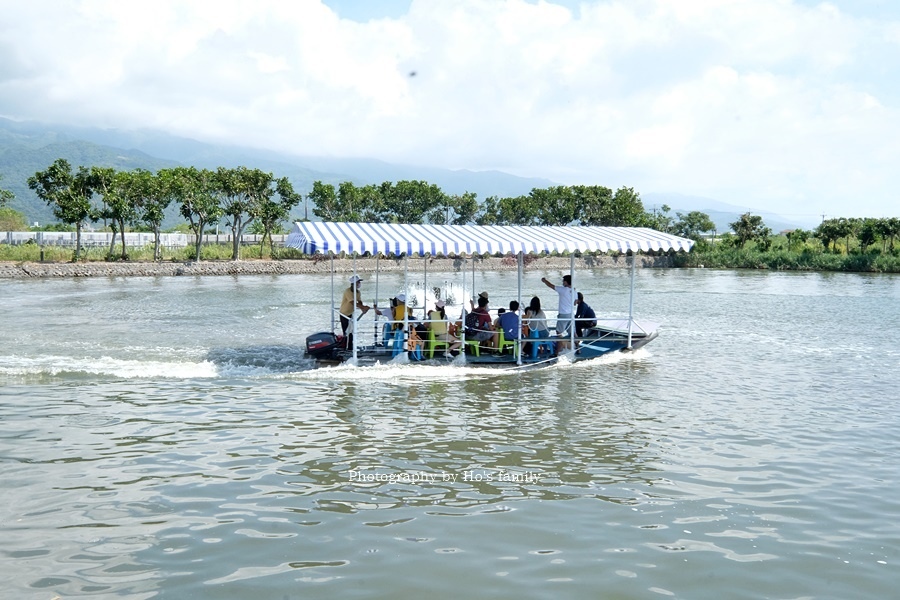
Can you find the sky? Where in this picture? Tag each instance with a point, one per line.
(790, 106)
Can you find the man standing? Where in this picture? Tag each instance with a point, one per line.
(564, 313)
(352, 297)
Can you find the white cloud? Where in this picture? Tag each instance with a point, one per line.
(771, 103)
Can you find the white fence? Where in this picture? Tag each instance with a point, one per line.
(88, 239)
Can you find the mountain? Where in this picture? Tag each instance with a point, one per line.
(28, 147)
(721, 213)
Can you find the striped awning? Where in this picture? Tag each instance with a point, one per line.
(391, 239)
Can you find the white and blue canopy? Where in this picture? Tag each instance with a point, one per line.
(391, 239)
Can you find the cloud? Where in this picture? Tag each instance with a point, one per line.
(770, 103)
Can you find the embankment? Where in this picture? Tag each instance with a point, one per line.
(27, 270)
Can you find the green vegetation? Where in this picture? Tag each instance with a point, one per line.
(250, 199)
(6, 196)
(859, 245)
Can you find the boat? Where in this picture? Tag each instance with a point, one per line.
(396, 241)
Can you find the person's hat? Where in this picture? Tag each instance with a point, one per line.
(355, 278)
(401, 298)
(483, 295)
(439, 304)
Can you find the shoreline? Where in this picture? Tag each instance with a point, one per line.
(50, 270)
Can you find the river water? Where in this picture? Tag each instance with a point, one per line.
(163, 438)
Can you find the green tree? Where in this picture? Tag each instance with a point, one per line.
(556, 205)
(594, 204)
(12, 220)
(198, 191)
(67, 193)
(270, 213)
(489, 213)
(628, 210)
(828, 233)
(867, 234)
(409, 201)
(463, 208)
(153, 194)
(750, 228)
(243, 193)
(325, 202)
(119, 205)
(521, 210)
(693, 224)
(6, 196)
(662, 220)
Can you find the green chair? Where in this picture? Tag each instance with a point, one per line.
(434, 343)
(503, 344)
(475, 346)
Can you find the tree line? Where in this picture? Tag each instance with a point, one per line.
(140, 197)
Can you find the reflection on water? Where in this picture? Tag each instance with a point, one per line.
(203, 459)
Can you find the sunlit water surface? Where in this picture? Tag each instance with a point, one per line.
(164, 438)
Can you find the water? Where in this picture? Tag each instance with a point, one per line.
(163, 438)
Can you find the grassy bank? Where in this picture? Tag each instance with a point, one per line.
(32, 253)
(785, 260)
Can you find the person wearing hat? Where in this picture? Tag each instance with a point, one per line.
(399, 311)
(437, 322)
(351, 295)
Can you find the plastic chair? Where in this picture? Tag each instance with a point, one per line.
(433, 343)
(537, 346)
(503, 344)
(475, 346)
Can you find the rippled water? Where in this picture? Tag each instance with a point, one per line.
(163, 438)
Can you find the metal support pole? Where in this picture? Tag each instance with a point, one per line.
(520, 259)
(572, 305)
(355, 310)
(375, 303)
(405, 304)
(631, 300)
(332, 293)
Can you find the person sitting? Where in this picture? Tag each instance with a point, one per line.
(441, 328)
(537, 320)
(478, 325)
(496, 322)
(585, 318)
(508, 321)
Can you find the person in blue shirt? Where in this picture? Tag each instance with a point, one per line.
(585, 318)
(509, 322)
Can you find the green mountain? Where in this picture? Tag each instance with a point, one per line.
(28, 147)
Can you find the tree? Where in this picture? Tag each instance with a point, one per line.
(661, 221)
(463, 208)
(154, 193)
(750, 227)
(556, 205)
(868, 233)
(68, 194)
(628, 210)
(12, 220)
(693, 225)
(243, 193)
(6, 196)
(593, 204)
(119, 204)
(198, 191)
(271, 213)
(409, 201)
(828, 232)
(325, 200)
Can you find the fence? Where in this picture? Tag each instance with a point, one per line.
(139, 240)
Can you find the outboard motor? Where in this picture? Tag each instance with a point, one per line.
(322, 345)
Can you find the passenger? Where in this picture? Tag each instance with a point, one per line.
(585, 318)
(347, 305)
(496, 322)
(536, 320)
(441, 328)
(508, 321)
(399, 311)
(564, 312)
(414, 343)
(480, 328)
